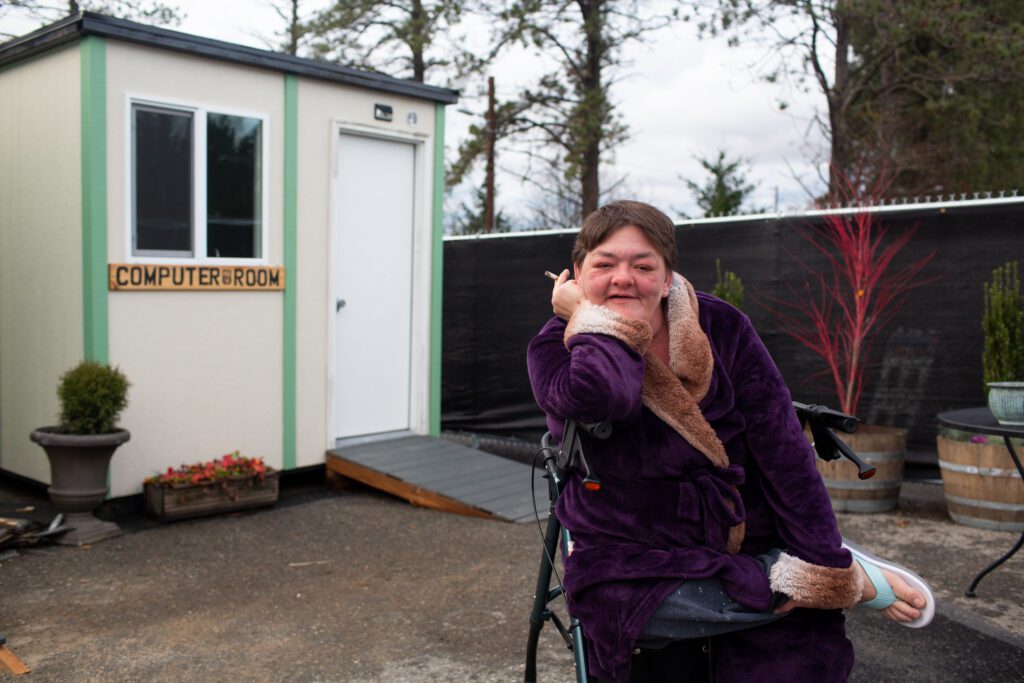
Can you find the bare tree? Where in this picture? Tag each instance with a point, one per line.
(802, 38)
(567, 116)
(884, 67)
(557, 203)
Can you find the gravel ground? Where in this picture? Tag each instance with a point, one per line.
(358, 586)
(352, 587)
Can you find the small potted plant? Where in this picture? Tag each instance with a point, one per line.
(1003, 355)
(728, 288)
(92, 396)
(977, 471)
(229, 483)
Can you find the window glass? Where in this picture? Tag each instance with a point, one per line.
(234, 193)
(162, 162)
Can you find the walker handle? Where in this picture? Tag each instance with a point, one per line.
(827, 445)
(572, 449)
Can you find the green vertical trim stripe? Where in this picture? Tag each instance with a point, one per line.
(93, 61)
(291, 186)
(437, 273)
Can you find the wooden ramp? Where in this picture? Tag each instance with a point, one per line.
(435, 473)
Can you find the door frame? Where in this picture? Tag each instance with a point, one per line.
(419, 360)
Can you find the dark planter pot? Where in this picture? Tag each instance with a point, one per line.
(78, 479)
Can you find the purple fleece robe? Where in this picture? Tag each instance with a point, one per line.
(661, 515)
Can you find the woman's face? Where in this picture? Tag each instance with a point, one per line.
(626, 274)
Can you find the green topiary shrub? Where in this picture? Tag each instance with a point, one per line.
(92, 396)
(1003, 325)
(729, 288)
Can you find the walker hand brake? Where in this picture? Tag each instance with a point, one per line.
(572, 451)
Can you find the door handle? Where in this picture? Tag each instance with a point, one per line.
(338, 305)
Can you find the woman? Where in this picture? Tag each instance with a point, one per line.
(710, 504)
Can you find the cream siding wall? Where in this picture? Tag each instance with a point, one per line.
(321, 107)
(40, 248)
(205, 367)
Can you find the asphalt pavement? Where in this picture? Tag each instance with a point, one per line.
(358, 586)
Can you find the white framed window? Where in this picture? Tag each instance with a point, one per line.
(197, 180)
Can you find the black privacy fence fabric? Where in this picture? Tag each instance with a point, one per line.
(926, 360)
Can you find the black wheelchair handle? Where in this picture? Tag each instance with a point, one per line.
(823, 421)
(570, 454)
(599, 430)
(832, 419)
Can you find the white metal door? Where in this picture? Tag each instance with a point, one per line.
(372, 229)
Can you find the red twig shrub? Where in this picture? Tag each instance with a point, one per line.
(838, 312)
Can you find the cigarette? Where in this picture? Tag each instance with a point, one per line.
(551, 275)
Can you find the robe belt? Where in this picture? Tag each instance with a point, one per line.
(711, 494)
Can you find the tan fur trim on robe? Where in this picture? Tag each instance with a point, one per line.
(673, 394)
(665, 396)
(735, 539)
(592, 319)
(814, 585)
(689, 351)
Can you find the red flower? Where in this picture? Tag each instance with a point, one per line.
(229, 465)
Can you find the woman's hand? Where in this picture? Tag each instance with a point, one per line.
(567, 296)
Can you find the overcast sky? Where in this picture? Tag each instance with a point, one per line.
(681, 97)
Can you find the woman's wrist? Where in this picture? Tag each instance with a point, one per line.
(589, 318)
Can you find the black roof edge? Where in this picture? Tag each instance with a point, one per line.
(90, 23)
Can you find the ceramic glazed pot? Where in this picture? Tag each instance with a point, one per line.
(1006, 401)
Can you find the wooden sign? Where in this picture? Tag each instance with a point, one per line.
(148, 276)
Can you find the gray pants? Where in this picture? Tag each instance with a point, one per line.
(701, 608)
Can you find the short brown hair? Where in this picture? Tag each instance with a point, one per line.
(599, 226)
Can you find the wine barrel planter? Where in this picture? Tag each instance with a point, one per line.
(982, 485)
(884, 448)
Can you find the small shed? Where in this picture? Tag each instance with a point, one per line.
(252, 237)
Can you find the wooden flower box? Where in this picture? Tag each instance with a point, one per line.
(168, 502)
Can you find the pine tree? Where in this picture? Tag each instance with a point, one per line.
(147, 12)
(724, 192)
(567, 119)
(402, 38)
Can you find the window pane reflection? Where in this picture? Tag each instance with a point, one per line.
(162, 162)
(233, 186)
